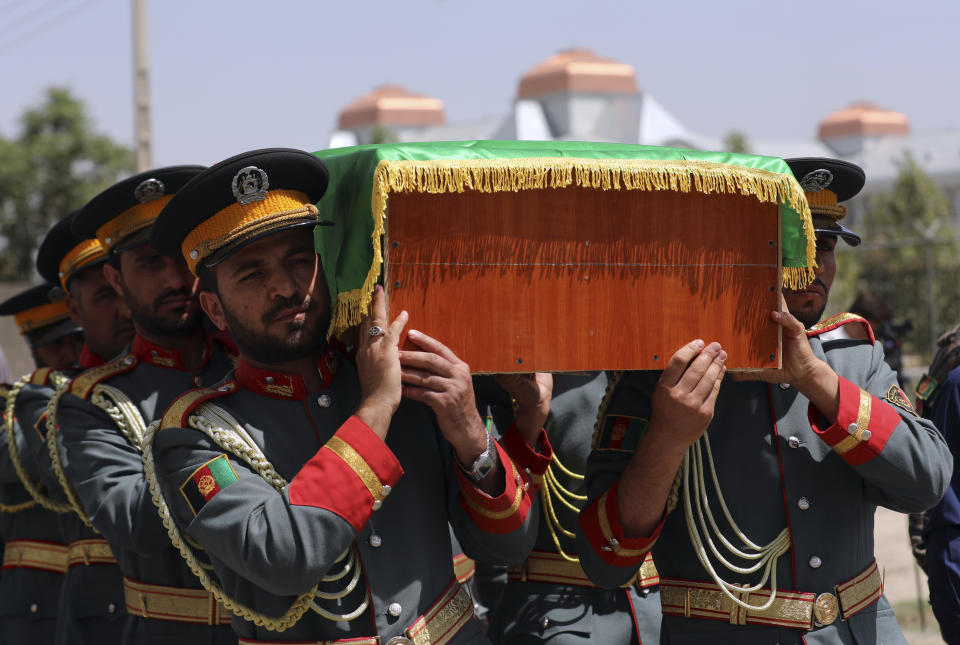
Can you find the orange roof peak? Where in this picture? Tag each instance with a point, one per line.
(577, 70)
(391, 104)
(863, 119)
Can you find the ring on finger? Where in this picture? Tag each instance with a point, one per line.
(375, 330)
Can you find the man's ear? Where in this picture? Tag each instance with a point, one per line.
(73, 308)
(210, 302)
(114, 277)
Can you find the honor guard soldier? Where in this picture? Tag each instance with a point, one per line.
(758, 498)
(103, 413)
(34, 556)
(548, 597)
(321, 525)
(91, 598)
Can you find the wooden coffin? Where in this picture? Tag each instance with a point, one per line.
(547, 264)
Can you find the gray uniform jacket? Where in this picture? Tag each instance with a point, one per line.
(566, 614)
(91, 604)
(347, 492)
(28, 592)
(104, 465)
(779, 464)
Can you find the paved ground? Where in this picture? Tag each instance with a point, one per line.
(903, 580)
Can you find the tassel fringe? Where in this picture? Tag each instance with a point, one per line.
(512, 175)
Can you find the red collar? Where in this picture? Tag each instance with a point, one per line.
(152, 354)
(285, 386)
(88, 359)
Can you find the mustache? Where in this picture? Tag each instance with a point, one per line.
(296, 301)
(170, 294)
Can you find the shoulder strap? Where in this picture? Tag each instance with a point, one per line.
(84, 383)
(839, 321)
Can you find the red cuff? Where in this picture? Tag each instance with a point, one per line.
(535, 463)
(350, 475)
(505, 512)
(600, 522)
(864, 424)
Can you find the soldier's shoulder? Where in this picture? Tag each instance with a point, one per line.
(843, 327)
(83, 383)
(178, 412)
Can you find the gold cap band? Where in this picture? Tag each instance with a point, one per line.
(238, 222)
(824, 202)
(134, 219)
(80, 256)
(41, 316)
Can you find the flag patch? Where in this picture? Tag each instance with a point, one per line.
(620, 432)
(206, 481)
(897, 397)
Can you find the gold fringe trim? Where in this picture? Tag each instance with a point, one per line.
(512, 175)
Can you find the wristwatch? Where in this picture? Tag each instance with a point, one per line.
(483, 464)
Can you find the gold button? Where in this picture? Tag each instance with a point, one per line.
(399, 640)
(111, 608)
(386, 489)
(34, 608)
(394, 609)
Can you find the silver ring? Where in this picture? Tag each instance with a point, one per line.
(375, 330)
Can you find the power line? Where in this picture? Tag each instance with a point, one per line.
(47, 24)
(37, 10)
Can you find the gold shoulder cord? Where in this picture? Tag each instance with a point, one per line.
(30, 503)
(32, 487)
(54, 448)
(124, 412)
(226, 432)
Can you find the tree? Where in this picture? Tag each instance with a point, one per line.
(910, 254)
(56, 164)
(736, 142)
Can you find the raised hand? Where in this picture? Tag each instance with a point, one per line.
(378, 365)
(532, 393)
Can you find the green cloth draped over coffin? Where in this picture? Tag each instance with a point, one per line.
(363, 178)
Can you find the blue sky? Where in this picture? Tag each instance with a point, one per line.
(228, 76)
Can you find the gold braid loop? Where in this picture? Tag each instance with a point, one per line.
(32, 487)
(122, 411)
(566, 471)
(217, 424)
(54, 447)
(550, 489)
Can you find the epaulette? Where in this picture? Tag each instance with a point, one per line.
(82, 384)
(838, 321)
(176, 414)
(41, 376)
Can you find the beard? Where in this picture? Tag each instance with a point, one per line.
(179, 322)
(298, 339)
(809, 315)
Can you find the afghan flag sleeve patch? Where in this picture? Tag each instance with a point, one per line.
(620, 432)
(206, 481)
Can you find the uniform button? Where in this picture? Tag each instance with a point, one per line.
(544, 622)
(386, 489)
(794, 442)
(784, 386)
(197, 381)
(111, 608)
(803, 503)
(34, 608)
(866, 435)
(153, 352)
(324, 400)
(394, 609)
(815, 562)
(614, 543)
(374, 540)
(268, 380)
(128, 360)
(224, 388)
(852, 428)
(377, 504)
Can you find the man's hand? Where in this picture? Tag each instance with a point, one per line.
(378, 366)
(533, 393)
(682, 408)
(812, 376)
(438, 378)
(682, 403)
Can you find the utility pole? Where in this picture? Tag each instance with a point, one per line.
(141, 82)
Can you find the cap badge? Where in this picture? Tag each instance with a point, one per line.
(149, 190)
(817, 180)
(250, 185)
